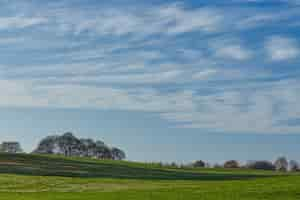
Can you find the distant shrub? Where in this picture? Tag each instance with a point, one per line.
(217, 166)
(262, 165)
(160, 164)
(174, 165)
(198, 163)
(231, 164)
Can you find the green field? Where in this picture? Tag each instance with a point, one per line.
(30, 177)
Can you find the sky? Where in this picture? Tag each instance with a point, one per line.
(164, 80)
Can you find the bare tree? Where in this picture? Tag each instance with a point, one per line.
(281, 164)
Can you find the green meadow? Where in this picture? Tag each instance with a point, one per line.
(36, 177)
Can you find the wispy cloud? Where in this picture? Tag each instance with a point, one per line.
(198, 67)
(282, 48)
(229, 48)
(248, 111)
(256, 111)
(165, 19)
(204, 74)
(132, 78)
(235, 52)
(182, 20)
(20, 22)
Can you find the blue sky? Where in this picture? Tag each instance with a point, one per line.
(165, 80)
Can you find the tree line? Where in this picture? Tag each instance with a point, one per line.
(280, 164)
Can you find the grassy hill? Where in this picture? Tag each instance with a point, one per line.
(30, 177)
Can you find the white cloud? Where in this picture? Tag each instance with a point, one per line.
(260, 19)
(282, 48)
(204, 19)
(235, 52)
(20, 22)
(110, 22)
(160, 19)
(131, 78)
(204, 74)
(231, 49)
(27, 94)
(169, 19)
(244, 111)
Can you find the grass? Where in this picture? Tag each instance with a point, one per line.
(31, 177)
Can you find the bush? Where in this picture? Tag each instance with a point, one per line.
(231, 164)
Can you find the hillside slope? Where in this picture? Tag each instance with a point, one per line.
(48, 165)
(44, 177)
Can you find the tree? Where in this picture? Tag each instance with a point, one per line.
(262, 165)
(281, 164)
(294, 166)
(199, 163)
(231, 164)
(117, 154)
(173, 164)
(69, 145)
(11, 147)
